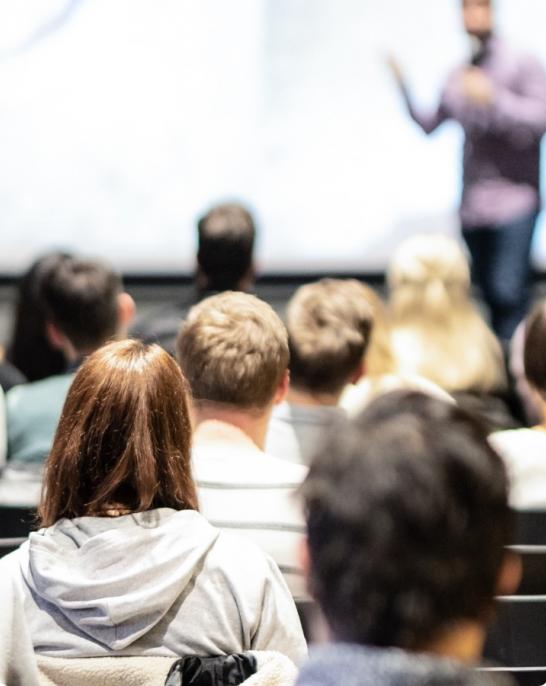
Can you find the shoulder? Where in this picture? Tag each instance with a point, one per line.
(231, 465)
(522, 62)
(53, 385)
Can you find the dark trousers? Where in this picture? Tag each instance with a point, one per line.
(501, 267)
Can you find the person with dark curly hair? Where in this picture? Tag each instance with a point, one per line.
(408, 519)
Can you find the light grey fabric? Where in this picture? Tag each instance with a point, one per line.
(354, 665)
(17, 661)
(152, 583)
(296, 432)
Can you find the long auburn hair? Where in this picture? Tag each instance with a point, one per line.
(124, 438)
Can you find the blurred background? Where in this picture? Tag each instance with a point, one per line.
(121, 121)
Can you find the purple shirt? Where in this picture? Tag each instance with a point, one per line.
(501, 159)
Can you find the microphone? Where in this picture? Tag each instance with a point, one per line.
(477, 51)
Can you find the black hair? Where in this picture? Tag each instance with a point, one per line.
(29, 349)
(226, 237)
(81, 298)
(407, 514)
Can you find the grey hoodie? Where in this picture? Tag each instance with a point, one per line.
(154, 583)
(355, 665)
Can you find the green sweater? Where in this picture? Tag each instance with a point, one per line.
(33, 411)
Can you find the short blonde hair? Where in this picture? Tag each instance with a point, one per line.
(437, 329)
(329, 325)
(233, 349)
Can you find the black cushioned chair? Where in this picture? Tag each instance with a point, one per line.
(525, 676)
(530, 527)
(16, 521)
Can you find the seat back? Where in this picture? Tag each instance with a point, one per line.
(524, 676)
(16, 520)
(533, 561)
(516, 638)
(312, 621)
(530, 527)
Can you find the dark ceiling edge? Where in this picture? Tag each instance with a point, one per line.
(133, 279)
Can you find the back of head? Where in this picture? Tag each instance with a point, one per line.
(123, 441)
(329, 326)
(407, 517)
(233, 349)
(226, 243)
(30, 349)
(534, 352)
(437, 330)
(81, 299)
(427, 275)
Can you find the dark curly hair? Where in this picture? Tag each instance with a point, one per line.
(407, 517)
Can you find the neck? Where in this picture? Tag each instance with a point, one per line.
(297, 396)
(462, 642)
(253, 422)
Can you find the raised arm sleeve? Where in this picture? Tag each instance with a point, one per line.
(428, 121)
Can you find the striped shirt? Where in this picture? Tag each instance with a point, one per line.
(243, 489)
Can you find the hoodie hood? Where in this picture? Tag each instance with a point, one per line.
(354, 665)
(116, 578)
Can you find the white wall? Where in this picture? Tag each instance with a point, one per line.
(121, 125)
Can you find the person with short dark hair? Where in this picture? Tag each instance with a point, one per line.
(29, 348)
(225, 261)
(85, 306)
(124, 564)
(523, 449)
(408, 519)
(226, 236)
(233, 349)
(329, 326)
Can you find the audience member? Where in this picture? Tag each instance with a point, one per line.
(30, 349)
(233, 349)
(10, 376)
(438, 332)
(226, 236)
(329, 325)
(407, 517)
(381, 376)
(84, 307)
(524, 450)
(124, 563)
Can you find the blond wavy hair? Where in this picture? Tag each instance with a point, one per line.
(379, 356)
(438, 331)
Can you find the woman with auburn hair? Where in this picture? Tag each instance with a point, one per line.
(437, 331)
(124, 563)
